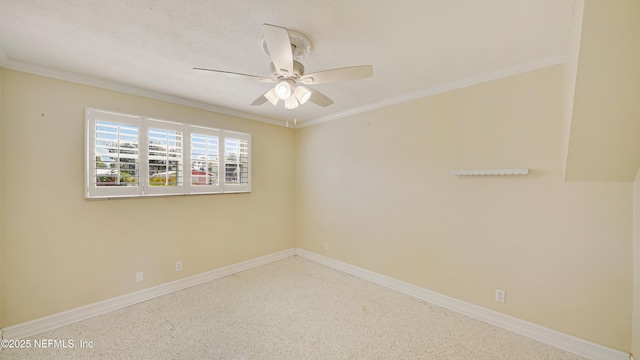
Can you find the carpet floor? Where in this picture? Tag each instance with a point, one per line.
(289, 309)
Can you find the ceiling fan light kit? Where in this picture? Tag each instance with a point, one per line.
(286, 48)
(291, 103)
(284, 89)
(302, 94)
(272, 96)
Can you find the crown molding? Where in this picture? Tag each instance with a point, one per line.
(7, 62)
(438, 89)
(12, 64)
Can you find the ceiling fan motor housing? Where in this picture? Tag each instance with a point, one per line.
(300, 45)
(298, 71)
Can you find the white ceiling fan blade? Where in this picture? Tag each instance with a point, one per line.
(279, 46)
(238, 75)
(259, 101)
(335, 75)
(319, 98)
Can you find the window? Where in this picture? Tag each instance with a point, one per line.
(236, 161)
(135, 156)
(114, 160)
(204, 160)
(165, 166)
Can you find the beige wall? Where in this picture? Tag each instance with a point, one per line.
(377, 188)
(66, 251)
(604, 143)
(602, 88)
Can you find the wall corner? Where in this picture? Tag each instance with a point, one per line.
(635, 323)
(570, 75)
(1, 181)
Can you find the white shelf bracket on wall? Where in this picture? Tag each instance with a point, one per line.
(490, 172)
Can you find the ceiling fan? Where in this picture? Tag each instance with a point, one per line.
(286, 48)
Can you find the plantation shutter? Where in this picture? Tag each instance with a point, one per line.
(129, 156)
(205, 160)
(237, 167)
(165, 160)
(112, 154)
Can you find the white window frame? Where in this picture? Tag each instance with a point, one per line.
(223, 183)
(162, 190)
(93, 191)
(205, 189)
(144, 189)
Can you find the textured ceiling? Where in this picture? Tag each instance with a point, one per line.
(154, 44)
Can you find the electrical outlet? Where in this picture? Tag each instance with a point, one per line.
(500, 295)
(139, 276)
(179, 266)
(326, 246)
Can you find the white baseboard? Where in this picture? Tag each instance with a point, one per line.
(51, 322)
(548, 336)
(587, 349)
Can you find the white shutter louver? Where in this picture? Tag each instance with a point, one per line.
(237, 173)
(112, 155)
(205, 160)
(164, 158)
